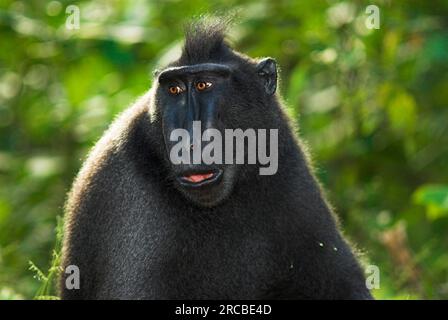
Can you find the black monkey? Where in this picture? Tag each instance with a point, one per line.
(140, 227)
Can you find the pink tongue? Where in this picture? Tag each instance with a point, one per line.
(199, 177)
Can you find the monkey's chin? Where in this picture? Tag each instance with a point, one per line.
(206, 188)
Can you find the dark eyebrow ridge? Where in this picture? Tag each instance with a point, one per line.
(211, 68)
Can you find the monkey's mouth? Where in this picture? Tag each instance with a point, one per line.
(197, 179)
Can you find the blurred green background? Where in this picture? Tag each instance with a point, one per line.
(372, 105)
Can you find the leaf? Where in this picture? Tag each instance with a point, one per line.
(39, 275)
(435, 198)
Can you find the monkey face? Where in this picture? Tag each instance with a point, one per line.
(199, 105)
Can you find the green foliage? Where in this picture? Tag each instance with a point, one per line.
(435, 198)
(371, 104)
(47, 290)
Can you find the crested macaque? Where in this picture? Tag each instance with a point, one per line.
(139, 226)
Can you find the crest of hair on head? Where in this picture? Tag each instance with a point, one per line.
(205, 40)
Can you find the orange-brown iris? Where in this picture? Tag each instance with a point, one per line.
(200, 86)
(175, 90)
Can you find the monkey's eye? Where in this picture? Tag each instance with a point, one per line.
(175, 90)
(202, 85)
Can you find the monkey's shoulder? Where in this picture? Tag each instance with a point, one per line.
(113, 166)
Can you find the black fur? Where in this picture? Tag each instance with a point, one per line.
(134, 235)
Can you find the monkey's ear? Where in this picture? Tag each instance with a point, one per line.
(267, 70)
